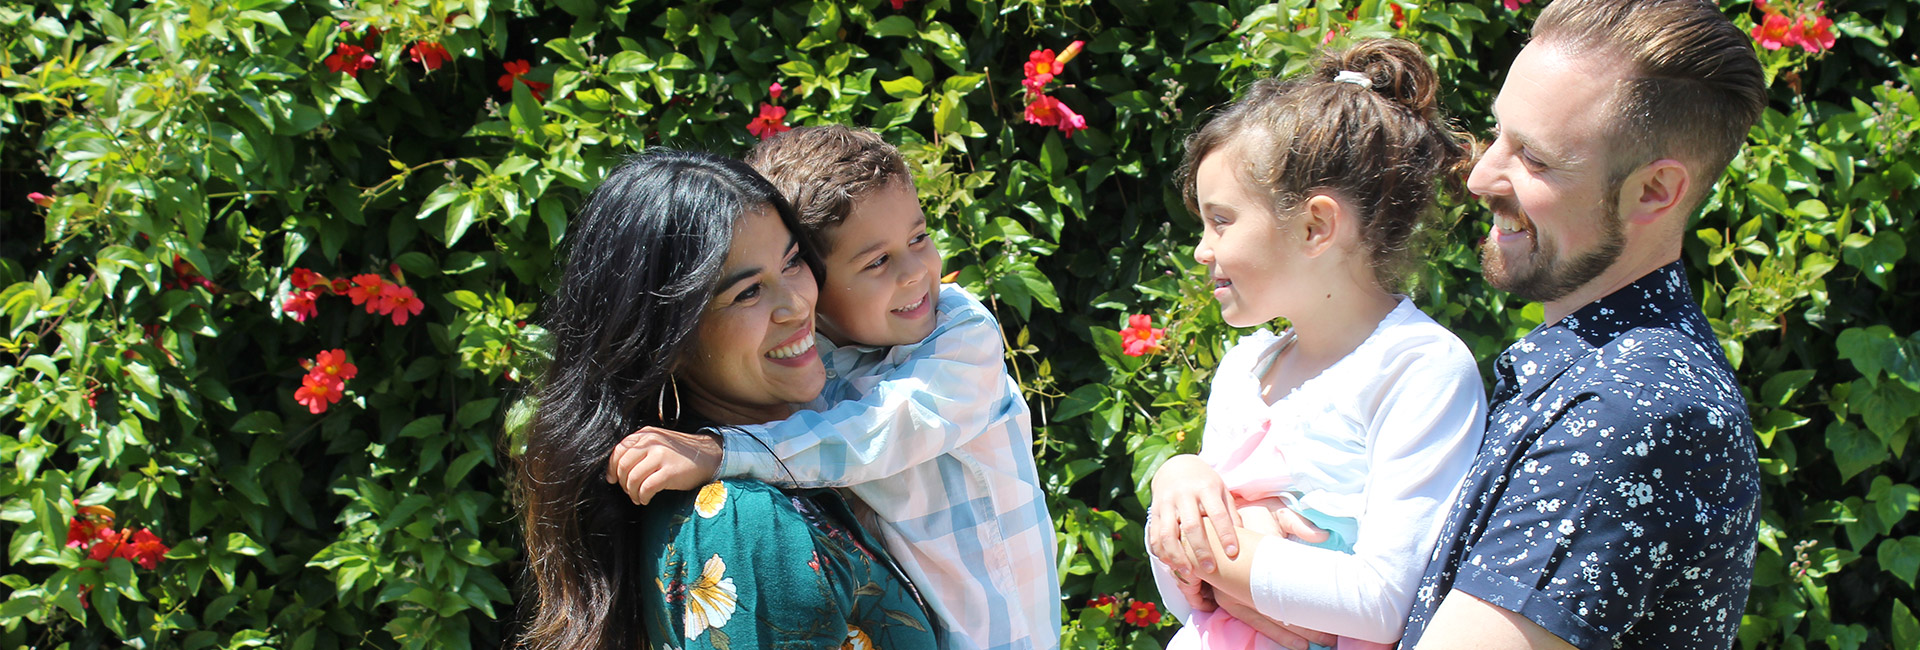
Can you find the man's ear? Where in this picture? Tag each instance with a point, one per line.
(1655, 191)
(1320, 222)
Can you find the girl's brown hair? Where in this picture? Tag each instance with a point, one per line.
(1383, 146)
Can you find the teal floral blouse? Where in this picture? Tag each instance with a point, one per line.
(742, 564)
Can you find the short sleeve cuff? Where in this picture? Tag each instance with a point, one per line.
(1510, 594)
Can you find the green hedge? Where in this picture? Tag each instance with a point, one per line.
(192, 154)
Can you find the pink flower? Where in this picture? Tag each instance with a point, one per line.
(145, 549)
(772, 120)
(774, 90)
(1514, 5)
(350, 59)
(1044, 110)
(317, 394)
(401, 303)
(429, 55)
(1141, 337)
(300, 304)
(1070, 122)
(306, 278)
(39, 199)
(1042, 63)
(333, 367)
(1774, 31)
(516, 71)
(1816, 35)
(1073, 50)
(366, 290)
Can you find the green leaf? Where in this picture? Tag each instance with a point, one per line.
(422, 427)
(894, 25)
(1781, 387)
(465, 209)
(1854, 450)
(258, 422)
(1081, 401)
(903, 88)
(1901, 557)
(1905, 630)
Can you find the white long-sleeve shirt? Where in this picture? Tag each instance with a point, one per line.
(936, 440)
(1384, 436)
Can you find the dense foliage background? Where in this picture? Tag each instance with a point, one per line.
(166, 166)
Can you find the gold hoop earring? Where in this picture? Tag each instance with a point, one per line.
(660, 408)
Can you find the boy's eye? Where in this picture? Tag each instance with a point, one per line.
(877, 262)
(917, 239)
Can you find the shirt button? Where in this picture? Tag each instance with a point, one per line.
(831, 374)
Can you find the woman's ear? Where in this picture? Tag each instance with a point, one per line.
(1320, 223)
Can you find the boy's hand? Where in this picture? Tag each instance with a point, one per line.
(654, 459)
(1186, 494)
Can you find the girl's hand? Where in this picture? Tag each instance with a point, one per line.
(1187, 494)
(1273, 517)
(654, 459)
(1198, 593)
(1291, 637)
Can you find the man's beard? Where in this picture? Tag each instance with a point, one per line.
(1540, 275)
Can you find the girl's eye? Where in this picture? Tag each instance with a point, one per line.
(917, 239)
(1219, 222)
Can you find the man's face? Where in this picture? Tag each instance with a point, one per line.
(883, 272)
(1545, 177)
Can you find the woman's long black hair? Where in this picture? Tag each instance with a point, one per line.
(643, 257)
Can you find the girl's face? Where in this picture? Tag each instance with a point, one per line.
(752, 356)
(1249, 251)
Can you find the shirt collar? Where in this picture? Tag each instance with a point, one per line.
(1549, 350)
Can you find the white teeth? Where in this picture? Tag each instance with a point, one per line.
(1507, 224)
(1221, 284)
(788, 352)
(916, 305)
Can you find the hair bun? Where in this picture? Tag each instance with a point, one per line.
(1397, 69)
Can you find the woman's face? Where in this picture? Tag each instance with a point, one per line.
(752, 355)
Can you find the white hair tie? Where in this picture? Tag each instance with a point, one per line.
(1355, 78)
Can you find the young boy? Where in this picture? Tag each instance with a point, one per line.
(918, 419)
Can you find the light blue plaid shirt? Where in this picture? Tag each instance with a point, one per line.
(936, 440)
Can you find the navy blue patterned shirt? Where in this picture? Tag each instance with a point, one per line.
(1615, 498)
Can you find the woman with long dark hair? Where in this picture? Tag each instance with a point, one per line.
(687, 303)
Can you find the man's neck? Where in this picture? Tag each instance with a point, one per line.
(1625, 271)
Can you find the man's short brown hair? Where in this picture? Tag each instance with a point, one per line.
(1691, 88)
(823, 170)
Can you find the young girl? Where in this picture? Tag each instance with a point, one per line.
(1364, 415)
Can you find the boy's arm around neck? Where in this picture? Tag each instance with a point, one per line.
(940, 394)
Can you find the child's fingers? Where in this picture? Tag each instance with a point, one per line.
(635, 477)
(1298, 527)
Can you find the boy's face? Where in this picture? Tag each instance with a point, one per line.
(883, 272)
